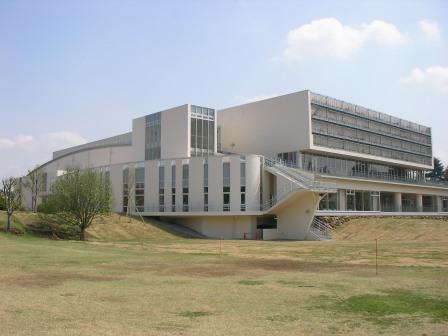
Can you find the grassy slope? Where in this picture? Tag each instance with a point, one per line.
(393, 229)
(113, 228)
(176, 286)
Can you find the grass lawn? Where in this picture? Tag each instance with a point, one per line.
(160, 284)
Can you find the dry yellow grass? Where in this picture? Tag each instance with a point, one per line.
(113, 227)
(393, 229)
(166, 285)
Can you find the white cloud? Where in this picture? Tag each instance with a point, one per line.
(23, 152)
(328, 37)
(434, 76)
(430, 29)
(6, 143)
(244, 99)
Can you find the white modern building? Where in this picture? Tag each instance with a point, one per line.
(264, 169)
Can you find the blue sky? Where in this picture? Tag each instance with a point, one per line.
(75, 71)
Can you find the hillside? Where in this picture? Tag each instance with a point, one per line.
(393, 229)
(112, 228)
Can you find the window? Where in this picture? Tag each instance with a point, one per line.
(445, 204)
(205, 186)
(226, 185)
(185, 182)
(356, 130)
(140, 189)
(243, 184)
(329, 202)
(153, 136)
(161, 188)
(125, 190)
(202, 131)
(173, 188)
(350, 200)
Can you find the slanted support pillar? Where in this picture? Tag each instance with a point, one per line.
(419, 202)
(397, 202)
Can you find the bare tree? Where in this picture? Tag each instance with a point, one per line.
(12, 196)
(131, 192)
(79, 196)
(35, 183)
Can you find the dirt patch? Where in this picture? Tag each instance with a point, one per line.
(237, 267)
(50, 279)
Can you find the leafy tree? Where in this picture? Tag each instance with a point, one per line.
(79, 196)
(437, 171)
(12, 197)
(35, 182)
(445, 174)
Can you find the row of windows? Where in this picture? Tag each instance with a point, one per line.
(365, 200)
(352, 146)
(370, 125)
(202, 137)
(153, 136)
(185, 187)
(202, 112)
(357, 168)
(381, 140)
(367, 113)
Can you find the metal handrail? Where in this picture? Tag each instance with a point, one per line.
(321, 229)
(297, 174)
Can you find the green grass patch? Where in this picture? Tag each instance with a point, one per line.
(251, 282)
(381, 308)
(294, 283)
(282, 318)
(194, 314)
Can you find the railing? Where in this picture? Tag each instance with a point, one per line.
(321, 230)
(297, 175)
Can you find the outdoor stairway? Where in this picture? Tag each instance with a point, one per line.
(301, 179)
(320, 230)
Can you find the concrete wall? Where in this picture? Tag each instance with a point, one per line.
(175, 128)
(267, 127)
(294, 217)
(225, 227)
(138, 139)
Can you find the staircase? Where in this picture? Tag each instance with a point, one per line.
(302, 179)
(320, 230)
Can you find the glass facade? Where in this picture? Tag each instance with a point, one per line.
(202, 131)
(349, 127)
(140, 189)
(362, 200)
(361, 169)
(153, 136)
(329, 202)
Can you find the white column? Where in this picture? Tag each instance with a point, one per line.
(397, 202)
(342, 200)
(419, 202)
(438, 203)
